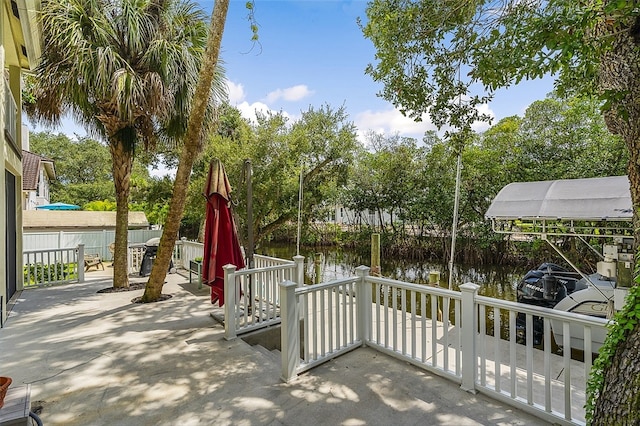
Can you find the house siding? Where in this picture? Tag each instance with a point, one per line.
(13, 61)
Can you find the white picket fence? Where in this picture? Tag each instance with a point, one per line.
(53, 266)
(469, 339)
(252, 296)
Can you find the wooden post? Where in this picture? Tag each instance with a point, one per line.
(364, 301)
(317, 261)
(80, 263)
(289, 331)
(299, 274)
(375, 255)
(469, 327)
(230, 302)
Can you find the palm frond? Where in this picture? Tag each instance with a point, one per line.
(122, 64)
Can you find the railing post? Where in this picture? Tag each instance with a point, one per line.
(181, 253)
(80, 263)
(299, 260)
(104, 249)
(299, 278)
(468, 330)
(129, 258)
(363, 304)
(290, 333)
(230, 301)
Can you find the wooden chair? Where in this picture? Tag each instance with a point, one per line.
(92, 260)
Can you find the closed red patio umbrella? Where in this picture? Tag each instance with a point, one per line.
(221, 245)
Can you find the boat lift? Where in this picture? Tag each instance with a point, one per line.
(583, 208)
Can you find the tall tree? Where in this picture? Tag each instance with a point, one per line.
(568, 139)
(124, 70)
(321, 144)
(83, 172)
(592, 46)
(385, 178)
(196, 130)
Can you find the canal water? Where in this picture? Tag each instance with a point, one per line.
(494, 280)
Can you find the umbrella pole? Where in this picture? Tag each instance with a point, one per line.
(454, 226)
(250, 249)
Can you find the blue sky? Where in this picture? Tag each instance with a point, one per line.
(312, 53)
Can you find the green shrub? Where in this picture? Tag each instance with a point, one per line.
(38, 273)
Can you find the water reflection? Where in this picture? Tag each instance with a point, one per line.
(331, 263)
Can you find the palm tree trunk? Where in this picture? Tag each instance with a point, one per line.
(191, 148)
(122, 160)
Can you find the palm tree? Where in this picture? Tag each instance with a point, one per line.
(126, 70)
(191, 148)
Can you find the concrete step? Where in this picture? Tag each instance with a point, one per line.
(273, 355)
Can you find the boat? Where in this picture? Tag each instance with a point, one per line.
(553, 286)
(586, 209)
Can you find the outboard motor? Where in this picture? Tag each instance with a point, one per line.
(547, 285)
(553, 289)
(543, 287)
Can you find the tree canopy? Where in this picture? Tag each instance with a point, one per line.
(433, 56)
(321, 142)
(126, 70)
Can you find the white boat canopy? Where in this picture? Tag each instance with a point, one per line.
(593, 199)
(595, 207)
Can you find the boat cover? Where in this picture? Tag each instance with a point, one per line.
(607, 198)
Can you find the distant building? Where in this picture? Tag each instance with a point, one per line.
(76, 220)
(37, 174)
(347, 217)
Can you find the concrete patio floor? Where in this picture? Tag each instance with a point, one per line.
(98, 359)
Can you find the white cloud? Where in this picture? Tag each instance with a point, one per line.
(236, 92)
(237, 97)
(481, 126)
(248, 111)
(290, 94)
(391, 121)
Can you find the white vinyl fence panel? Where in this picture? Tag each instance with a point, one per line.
(95, 242)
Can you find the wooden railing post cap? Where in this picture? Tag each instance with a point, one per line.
(288, 283)
(229, 267)
(471, 287)
(362, 270)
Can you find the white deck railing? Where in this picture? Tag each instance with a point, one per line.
(135, 254)
(327, 313)
(252, 298)
(459, 335)
(261, 261)
(186, 251)
(538, 380)
(53, 266)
